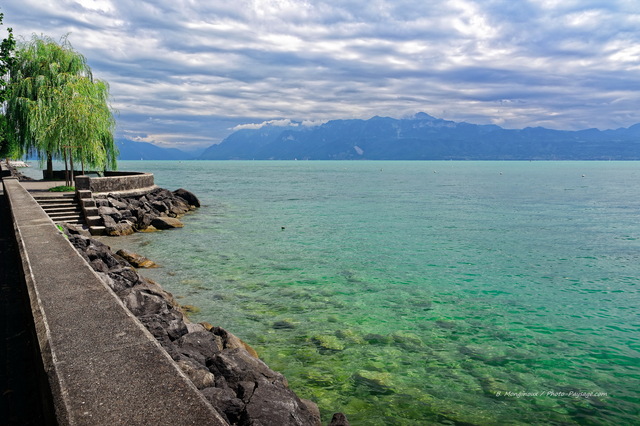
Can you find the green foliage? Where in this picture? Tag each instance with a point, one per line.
(7, 46)
(62, 188)
(55, 107)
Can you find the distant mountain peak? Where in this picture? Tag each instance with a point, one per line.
(132, 150)
(423, 116)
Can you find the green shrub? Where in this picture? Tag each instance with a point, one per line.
(62, 189)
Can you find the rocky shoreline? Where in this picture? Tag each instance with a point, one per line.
(157, 209)
(228, 372)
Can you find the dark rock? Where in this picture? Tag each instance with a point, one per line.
(166, 326)
(118, 204)
(189, 197)
(141, 301)
(109, 282)
(76, 229)
(119, 229)
(98, 265)
(245, 391)
(166, 223)
(124, 277)
(236, 365)
(113, 261)
(205, 343)
(159, 206)
(201, 377)
(114, 228)
(339, 419)
(178, 207)
(143, 219)
(231, 341)
(313, 409)
(270, 404)
(108, 211)
(109, 222)
(268, 399)
(224, 400)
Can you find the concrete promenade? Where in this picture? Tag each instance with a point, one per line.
(102, 365)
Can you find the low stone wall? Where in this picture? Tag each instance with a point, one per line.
(116, 182)
(102, 365)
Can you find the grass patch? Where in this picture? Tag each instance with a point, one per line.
(62, 188)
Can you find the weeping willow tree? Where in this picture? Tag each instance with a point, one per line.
(55, 108)
(7, 46)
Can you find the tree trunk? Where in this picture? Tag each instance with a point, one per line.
(66, 168)
(49, 171)
(72, 181)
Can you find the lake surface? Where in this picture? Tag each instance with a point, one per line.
(420, 292)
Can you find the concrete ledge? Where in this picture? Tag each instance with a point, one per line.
(103, 366)
(4, 170)
(115, 182)
(130, 193)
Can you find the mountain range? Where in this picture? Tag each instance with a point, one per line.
(423, 137)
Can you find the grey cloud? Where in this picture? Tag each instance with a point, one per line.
(191, 71)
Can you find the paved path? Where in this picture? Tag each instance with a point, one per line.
(41, 185)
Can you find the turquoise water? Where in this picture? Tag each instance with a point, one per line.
(420, 292)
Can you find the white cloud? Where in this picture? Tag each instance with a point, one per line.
(276, 123)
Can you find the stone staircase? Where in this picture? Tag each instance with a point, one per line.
(76, 208)
(90, 212)
(61, 208)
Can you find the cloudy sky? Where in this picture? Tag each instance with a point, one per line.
(186, 73)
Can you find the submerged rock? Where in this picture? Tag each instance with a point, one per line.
(136, 260)
(377, 382)
(331, 343)
(285, 324)
(407, 340)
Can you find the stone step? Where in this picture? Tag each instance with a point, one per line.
(58, 216)
(94, 220)
(68, 219)
(50, 201)
(54, 196)
(91, 211)
(61, 208)
(87, 204)
(96, 230)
